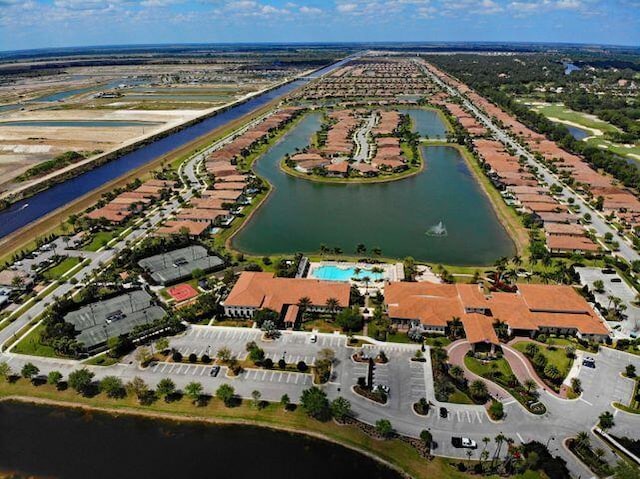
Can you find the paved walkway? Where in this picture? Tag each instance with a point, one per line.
(457, 351)
(522, 368)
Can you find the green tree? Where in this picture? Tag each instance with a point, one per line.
(384, 428)
(29, 371)
(606, 420)
(478, 389)
(54, 378)
(5, 371)
(194, 391)
(226, 394)
(112, 386)
(139, 389)
(256, 397)
(630, 371)
(426, 437)
(162, 344)
(224, 354)
(80, 380)
(315, 403)
(166, 388)
(340, 408)
(285, 401)
(626, 470)
(350, 319)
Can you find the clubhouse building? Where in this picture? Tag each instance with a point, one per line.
(257, 290)
(533, 309)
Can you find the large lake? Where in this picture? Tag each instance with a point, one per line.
(299, 215)
(69, 443)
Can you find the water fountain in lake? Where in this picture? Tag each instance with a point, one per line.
(437, 230)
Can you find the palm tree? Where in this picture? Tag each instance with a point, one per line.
(366, 280)
(529, 384)
(501, 328)
(455, 326)
(486, 440)
(361, 248)
(323, 249)
(516, 260)
(377, 270)
(606, 420)
(376, 251)
(304, 303)
(332, 305)
(478, 389)
(582, 439)
(499, 439)
(531, 349)
(456, 372)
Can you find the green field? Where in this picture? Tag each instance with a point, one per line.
(31, 345)
(554, 355)
(101, 238)
(561, 112)
(59, 270)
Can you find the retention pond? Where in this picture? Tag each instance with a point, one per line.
(399, 217)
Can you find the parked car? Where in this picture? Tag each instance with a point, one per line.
(444, 412)
(616, 280)
(313, 338)
(463, 442)
(589, 362)
(214, 371)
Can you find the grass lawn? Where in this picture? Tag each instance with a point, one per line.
(562, 112)
(555, 356)
(100, 239)
(101, 360)
(399, 338)
(488, 368)
(321, 325)
(442, 341)
(458, 397)
(396, 452)
(56, 272)
(30, 344)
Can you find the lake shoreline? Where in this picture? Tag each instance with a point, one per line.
(210, 420)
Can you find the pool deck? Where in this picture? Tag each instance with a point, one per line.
(391, 273)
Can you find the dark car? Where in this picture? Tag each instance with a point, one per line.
(214, 371)
(444, 412)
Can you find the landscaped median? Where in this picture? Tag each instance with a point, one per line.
(498, 371)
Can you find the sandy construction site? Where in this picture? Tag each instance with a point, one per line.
(98, 109)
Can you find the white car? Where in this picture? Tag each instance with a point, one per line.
(469, 443)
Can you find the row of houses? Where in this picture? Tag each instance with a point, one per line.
(334, 157)
(617, 200)
(381, 78)
(126, 204)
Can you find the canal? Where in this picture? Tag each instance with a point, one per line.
(26, 211)
(44, 441)
(397, 217)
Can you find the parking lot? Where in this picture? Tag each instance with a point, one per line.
(614, 286)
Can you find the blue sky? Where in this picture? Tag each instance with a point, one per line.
(54, 23)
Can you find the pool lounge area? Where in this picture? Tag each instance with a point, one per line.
(357, 273)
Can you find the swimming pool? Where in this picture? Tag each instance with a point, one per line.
(337, 273)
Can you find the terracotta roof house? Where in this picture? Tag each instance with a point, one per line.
(532, 309)
(258, 290)
(194, 228)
